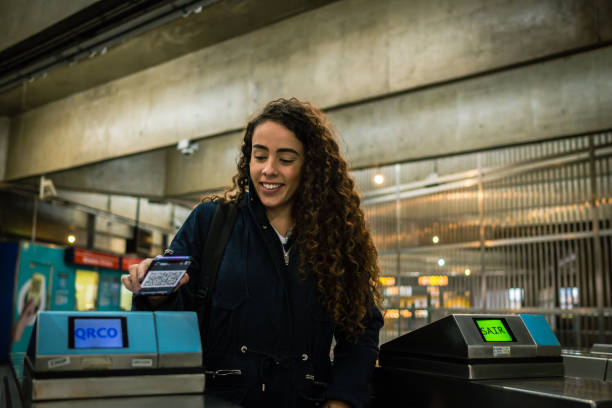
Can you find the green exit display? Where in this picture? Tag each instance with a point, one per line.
(494, 330)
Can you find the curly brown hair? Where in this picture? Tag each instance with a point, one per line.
(330, 230)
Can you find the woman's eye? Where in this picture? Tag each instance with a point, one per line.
(260, 158)
(286, 161)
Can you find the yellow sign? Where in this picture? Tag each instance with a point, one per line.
(387, 280)
(433, 280)
(86, 289)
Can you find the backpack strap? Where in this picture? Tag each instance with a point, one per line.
(217, 238)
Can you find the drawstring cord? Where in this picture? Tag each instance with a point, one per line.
(270, 361)
(222, 373)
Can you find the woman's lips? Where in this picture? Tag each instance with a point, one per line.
(270, 187)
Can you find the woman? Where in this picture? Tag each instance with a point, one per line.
(299, 269)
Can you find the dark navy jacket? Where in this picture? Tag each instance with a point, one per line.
(267, 322)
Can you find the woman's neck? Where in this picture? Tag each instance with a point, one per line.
(280, 219)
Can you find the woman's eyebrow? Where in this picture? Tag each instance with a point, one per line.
(281, 150)
(287, 150)
(257, 146)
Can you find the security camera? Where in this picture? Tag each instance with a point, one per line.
(186, 147)
(47, 189)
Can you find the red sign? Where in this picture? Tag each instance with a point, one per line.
(126, 262)
(94, 258)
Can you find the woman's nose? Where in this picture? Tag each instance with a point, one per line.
(269, 168)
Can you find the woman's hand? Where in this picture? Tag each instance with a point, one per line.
(336, 404)
(137, 273)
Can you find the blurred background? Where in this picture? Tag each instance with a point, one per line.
(478, 133)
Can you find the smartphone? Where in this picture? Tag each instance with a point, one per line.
(164, 273)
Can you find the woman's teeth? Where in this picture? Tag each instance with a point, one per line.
(271, 186)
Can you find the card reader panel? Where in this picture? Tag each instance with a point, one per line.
(85, 341)
(475, 346)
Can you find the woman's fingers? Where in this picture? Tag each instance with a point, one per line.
(143, 267)
(125, 279)
(183, 281)
(136, 274)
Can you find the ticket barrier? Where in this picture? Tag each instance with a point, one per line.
(595, 363)
(97, 355)
(482, 360)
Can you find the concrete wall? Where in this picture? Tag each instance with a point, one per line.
(140, 175)
(563, 97)
(212, 166)
(426, 62)
(21, 19)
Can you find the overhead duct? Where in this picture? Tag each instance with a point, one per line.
(90, 32)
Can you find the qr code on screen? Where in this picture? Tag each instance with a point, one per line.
(162, 278)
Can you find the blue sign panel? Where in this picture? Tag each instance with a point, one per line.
(97, 332)
(540, 330)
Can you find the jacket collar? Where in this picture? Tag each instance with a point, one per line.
(256, 208)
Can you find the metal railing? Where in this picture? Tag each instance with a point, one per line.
(515, 229)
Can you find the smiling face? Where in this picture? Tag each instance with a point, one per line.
(275, 166)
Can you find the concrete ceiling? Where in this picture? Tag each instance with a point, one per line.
(218, 22)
